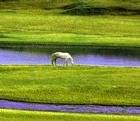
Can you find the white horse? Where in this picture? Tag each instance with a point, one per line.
(66, 56)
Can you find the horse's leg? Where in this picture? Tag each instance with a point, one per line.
(66, 62)
(71, 62)
(55, 61)
(52, 62)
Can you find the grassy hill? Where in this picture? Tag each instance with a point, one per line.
(96, 22)
(78, 7)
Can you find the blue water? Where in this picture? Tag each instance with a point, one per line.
(96, 59)
(70, 108)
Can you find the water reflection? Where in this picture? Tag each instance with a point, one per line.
(81, 55)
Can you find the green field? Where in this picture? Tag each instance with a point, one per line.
(71, 85)
(94, 30)
(114, 23)
(16, 115)
(38, 24)
(61, 4)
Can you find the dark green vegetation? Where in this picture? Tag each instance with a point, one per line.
(75, 50)
(77, 7)
(15, 115)
(71, 85)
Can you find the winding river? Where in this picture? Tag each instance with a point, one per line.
(70, 108)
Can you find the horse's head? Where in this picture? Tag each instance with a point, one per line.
(71, 60)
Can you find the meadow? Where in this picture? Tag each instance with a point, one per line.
(112, 23)
(71, 85)
(35, 28)
(16, 115)
(50, 22)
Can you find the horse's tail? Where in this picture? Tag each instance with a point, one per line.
(52, 59)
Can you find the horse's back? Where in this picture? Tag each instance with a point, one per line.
(61, 54)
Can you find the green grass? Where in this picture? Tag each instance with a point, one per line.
(44, 21)
(55, 4)
(55, 21)
(16, 115)
(36, 27)
(71, 85)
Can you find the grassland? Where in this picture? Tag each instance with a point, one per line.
(48, 22)
(16, 115)
(92, 22)
(93, 30)
(71, 85)
(59, 4)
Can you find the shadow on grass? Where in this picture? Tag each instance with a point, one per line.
(83, 9)
(4, 36)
